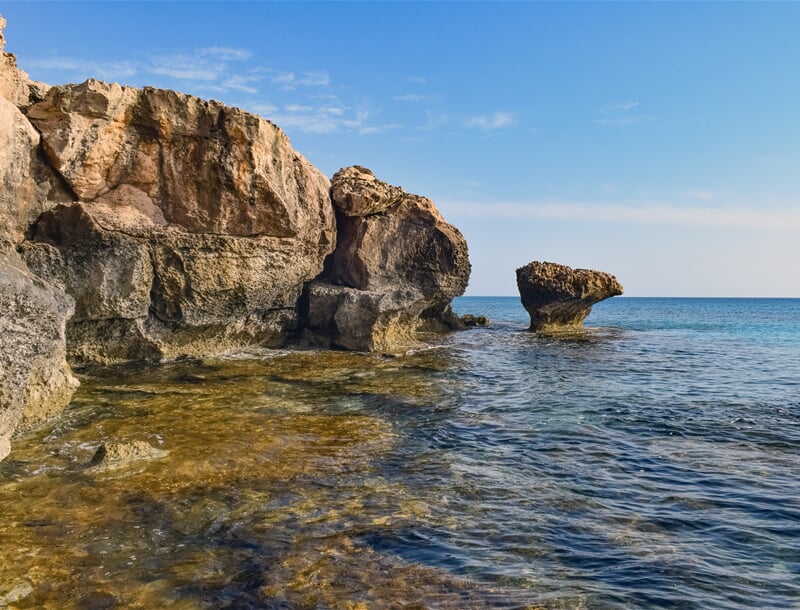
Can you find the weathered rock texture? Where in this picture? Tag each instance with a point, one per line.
(119, 454)
(558, 297)
(35, 380)
(15, 86)
(147, 224)
(28, 186)
(395, 270)
(195, 229)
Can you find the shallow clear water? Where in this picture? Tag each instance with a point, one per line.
(653, 461)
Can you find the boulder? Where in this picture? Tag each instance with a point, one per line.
(558, 297)
(472, 320)
(395, 270)
(119, 454)
(35, 380)
(195, 228)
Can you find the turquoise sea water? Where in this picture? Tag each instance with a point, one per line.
(659, 457)
(651, 462)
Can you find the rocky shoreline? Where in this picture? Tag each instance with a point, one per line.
(149, 225)
(145, 224)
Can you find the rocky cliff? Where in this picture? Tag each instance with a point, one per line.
(396, 268)
(35, 379)
(144, 224)
(558, 297)
(194, 229)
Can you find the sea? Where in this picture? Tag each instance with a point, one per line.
(649, 461)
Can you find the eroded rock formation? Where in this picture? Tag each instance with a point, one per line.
(35, 380)
(195, 229)
(395, 270)
(558, 297)
(144, 224)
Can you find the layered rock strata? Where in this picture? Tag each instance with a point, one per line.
(558, 297)
(395, 270)
(35, 380)
(195, 228)
(144, 224)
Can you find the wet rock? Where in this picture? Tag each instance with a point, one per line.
(558, 297)
(395, 270)
(472, 320)
(12, 593)
(112, 454)
(35, 380)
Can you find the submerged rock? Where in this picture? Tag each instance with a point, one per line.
(395, 270)
(112, 454)
(558, 297)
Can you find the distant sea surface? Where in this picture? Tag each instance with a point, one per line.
(650, 462)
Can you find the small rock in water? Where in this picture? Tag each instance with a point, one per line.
(118, 454)
(14, 593)
(558, 297)
(470, 320)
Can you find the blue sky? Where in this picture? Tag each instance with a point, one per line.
(657, 141)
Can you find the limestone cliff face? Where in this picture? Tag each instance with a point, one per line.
(395, 270)
(35, 380)
(28, 186)
(558, 297)
(144, 224)
(195, 229)
(15, 86)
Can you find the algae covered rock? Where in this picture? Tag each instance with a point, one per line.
(558, 297)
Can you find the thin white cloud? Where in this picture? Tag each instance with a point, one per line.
(618, 114)
(184, 66)
(623, 121)
(620, 106)
(262, 109)
(701, 195)
(434, 121)
(298, 108)
(416, 80)
(660, 214)
(324, 119)
(411, 97)
(490, 122)
(242, 82)
(225, 53)
(378, 129)
(292, 80)
(112, 70)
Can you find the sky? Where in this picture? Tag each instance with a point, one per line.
(657, 141)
